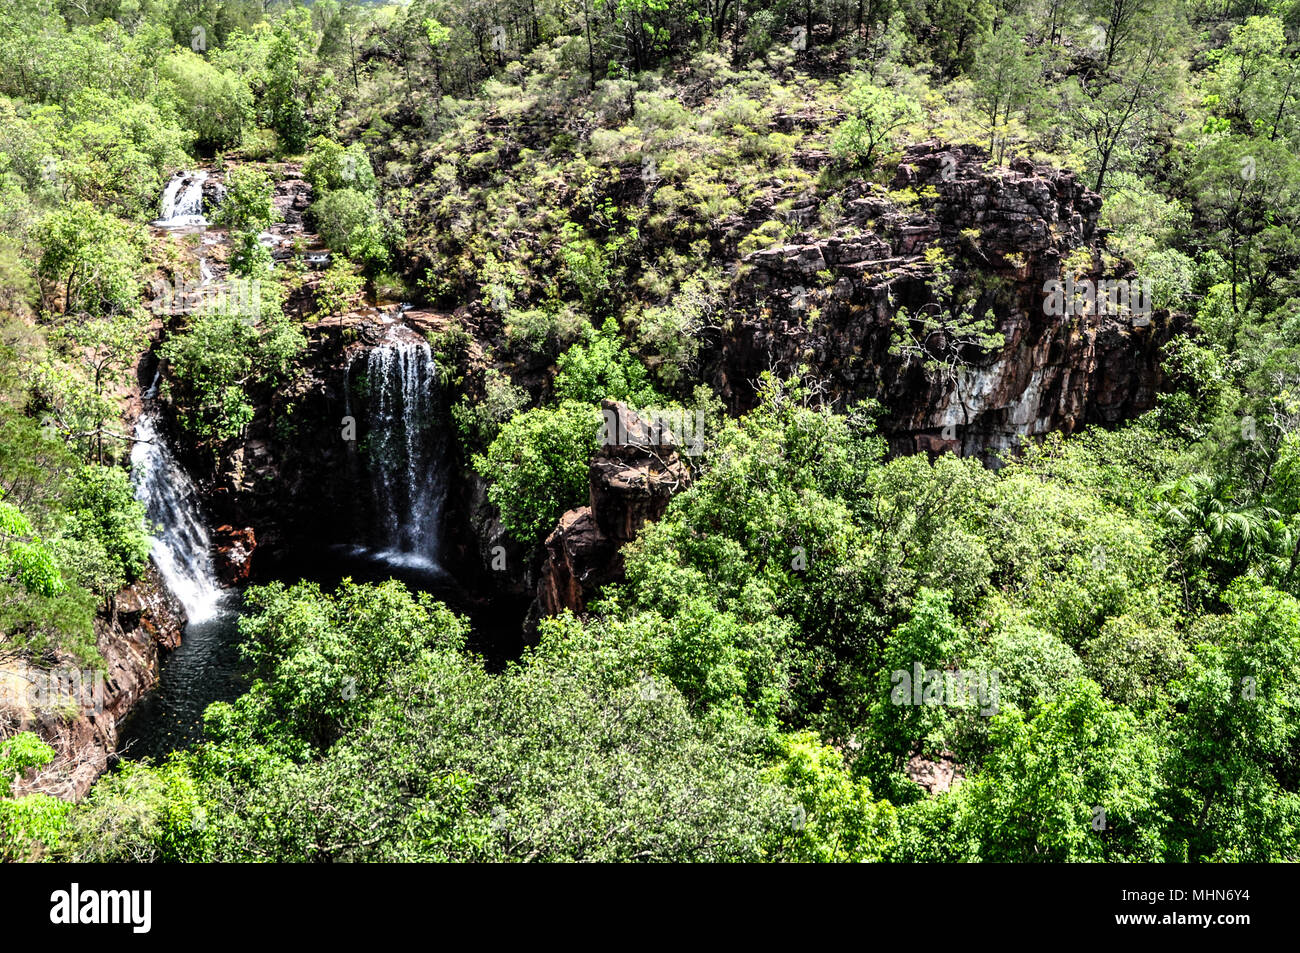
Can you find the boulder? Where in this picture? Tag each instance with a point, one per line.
(234, 552)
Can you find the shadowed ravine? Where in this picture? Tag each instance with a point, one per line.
(402, 453)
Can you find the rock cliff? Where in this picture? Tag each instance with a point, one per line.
(79, 709)
(828, 302)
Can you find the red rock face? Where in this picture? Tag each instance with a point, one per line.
(632, 481)
(82, 723)
(828, 303)
(234, 552)
(936, 776)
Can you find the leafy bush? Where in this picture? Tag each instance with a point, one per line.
(537, 466)
(215, 104)
(350, 225)
(247, 206)
(338, 291)
(102, 509)
(875, 115)
(218, 357)
(604, 369)
(331, 166)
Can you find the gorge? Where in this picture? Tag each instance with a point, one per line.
(364, 491)
(439, 431)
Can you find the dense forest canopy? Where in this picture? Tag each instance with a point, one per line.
(775, 670)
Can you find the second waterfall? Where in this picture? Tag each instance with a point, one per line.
(403, 448)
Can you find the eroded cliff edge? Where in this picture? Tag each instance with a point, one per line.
(79, 708)
(827, 302)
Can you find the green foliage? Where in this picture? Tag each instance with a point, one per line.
(30, 826)
(479, 421)
(18, 754)
(331, 166)
(1075, 780)
(284, 87)
(319, 662)
(836, 820)
(104, 515)
(338, 291)
(219, 357)
(1229, 795)
(537, 466)
(350, 224)
(875, 115)
(613, 165)
(214, 103)
(92, 258)
(368, 689)
(24, 559)
(139, 814)
(247, 205)
(250, 258)
(603, 369)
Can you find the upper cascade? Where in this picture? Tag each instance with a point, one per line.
(182, 202)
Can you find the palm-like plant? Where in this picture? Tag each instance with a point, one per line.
(1216, 531)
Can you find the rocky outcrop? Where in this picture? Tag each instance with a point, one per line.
(937, 775)
(828, 302)
(79, 709)
(233, 549)
(632, 480)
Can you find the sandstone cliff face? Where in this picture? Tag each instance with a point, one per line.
(828, 303)
(632, 482)
(79, 711)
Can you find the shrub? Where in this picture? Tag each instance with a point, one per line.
(537, 466)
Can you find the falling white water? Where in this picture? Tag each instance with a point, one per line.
(182, 202)
(182, 551)
(152, 390)
(405, 446)
(205, 272)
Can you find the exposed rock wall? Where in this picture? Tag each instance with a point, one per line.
(80, 711)
(828, 302)
(632, 482)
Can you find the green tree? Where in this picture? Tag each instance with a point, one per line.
(285, 95)
(101, 508)
(215, 104)
(601, 369)
(92, 257)
(350, 225)
(537, 466)
(1074, 780)
(247, 205)
(1006, 76)
(836, 820)
(875, 115)
(1231, 789)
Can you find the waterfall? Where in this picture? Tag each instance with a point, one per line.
(404, 451)
(182, 203)
(182, 550)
